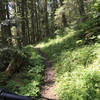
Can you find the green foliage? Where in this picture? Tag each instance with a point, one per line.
(72, 59)
(12, 86)
(77, 63)
(69, 9)
(7, 54)
(90, 29)
(34, 58)
(77, 66)
(2, 77)
(92, 82)
(31, 89)
(27, 82)
(79, 85)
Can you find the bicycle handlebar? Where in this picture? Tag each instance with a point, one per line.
(5, 95)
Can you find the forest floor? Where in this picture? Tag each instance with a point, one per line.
(48, 89)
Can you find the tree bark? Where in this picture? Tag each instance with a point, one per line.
(81, 9)
(46, 17)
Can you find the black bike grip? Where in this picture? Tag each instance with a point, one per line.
(15, 97)
(9, 96)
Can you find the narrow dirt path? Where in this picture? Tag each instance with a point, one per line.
(48, 89)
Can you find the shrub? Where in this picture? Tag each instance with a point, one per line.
(28, 80)
(79, 85)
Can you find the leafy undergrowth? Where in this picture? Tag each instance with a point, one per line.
(77, 66)
(28, 81)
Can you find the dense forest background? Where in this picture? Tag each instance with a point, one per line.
(26, 22)
(68, 31)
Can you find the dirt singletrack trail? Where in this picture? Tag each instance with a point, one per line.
(48, 89)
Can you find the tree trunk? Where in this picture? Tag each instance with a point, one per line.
(46, 18)
(5, 26)
(81, 9)
(23, 21)
(61, 2)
